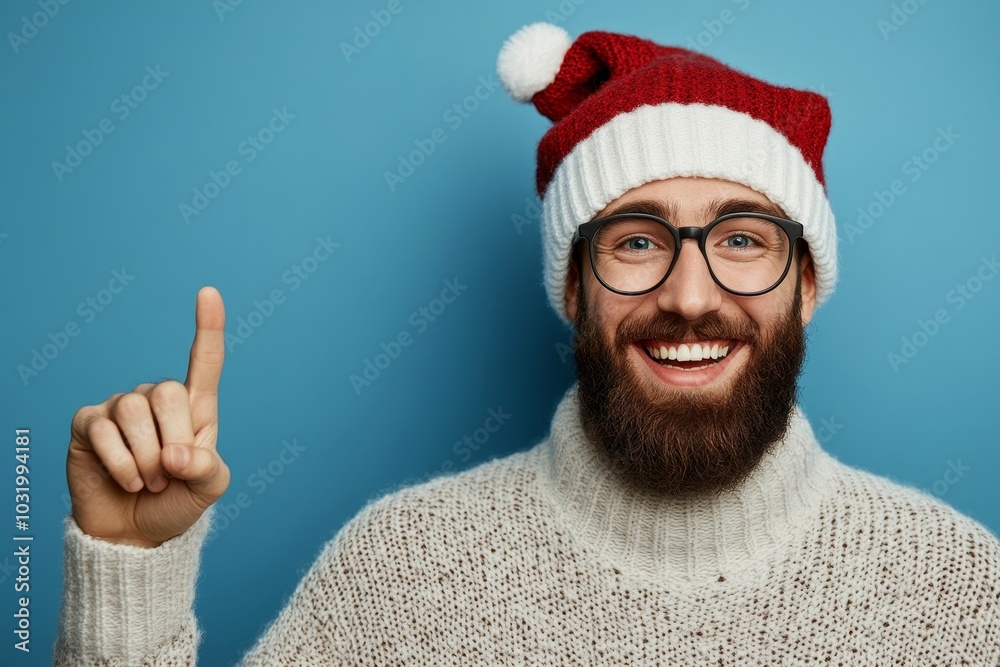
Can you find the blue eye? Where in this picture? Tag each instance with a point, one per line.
(638, 243)
(741, 241)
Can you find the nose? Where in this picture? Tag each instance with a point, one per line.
(689, 290)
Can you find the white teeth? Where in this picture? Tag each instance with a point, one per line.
(689, 351)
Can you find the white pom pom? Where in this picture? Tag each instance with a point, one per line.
(530, 59)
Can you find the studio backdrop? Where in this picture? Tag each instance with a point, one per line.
(355, 181)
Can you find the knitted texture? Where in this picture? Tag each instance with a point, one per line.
(627, 111)
(545, 558)
(604, 74)
(119, 601)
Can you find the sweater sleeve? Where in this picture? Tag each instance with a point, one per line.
(129, 605)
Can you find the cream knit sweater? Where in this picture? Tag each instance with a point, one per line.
(544, 558)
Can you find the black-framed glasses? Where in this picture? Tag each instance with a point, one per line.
(748, 254)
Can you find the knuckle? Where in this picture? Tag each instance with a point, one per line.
(169, 392)
(109, 402)
(113, 397)
(87, 413)
(131, 406)
(144, 388)
(83, 415)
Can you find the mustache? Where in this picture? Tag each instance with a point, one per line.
(670, 326)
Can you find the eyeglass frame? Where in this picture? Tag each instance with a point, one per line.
(587, 230)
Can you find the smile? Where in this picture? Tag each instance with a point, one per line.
(694, 351)
(689, 363)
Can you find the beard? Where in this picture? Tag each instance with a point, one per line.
(696, 441)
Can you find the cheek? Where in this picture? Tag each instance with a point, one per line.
(767, 312)
(767, 309)
(609, 309)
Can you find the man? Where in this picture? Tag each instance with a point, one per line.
(680, 510)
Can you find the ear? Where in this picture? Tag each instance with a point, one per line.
(570, 297)
(807, 286)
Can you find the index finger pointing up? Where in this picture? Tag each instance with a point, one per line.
(209, 348)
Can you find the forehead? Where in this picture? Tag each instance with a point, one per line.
(691, 198)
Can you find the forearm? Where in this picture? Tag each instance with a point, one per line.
(127, 603)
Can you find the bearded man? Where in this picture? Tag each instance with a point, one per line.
(680, 511)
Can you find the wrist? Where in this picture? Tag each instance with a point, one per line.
(128, 540)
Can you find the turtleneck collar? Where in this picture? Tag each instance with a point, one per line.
(670, 539)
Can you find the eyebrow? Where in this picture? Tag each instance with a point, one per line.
(713, 209)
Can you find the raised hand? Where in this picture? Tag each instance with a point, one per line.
(143, 466)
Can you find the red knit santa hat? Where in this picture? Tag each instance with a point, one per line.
(627, 111)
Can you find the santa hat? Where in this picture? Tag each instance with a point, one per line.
(627, 111)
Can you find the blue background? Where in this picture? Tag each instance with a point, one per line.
(497, 345)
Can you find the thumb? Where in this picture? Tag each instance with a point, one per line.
(202, 468)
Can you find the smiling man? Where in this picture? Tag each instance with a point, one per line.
(697, 383)
(680, 510)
